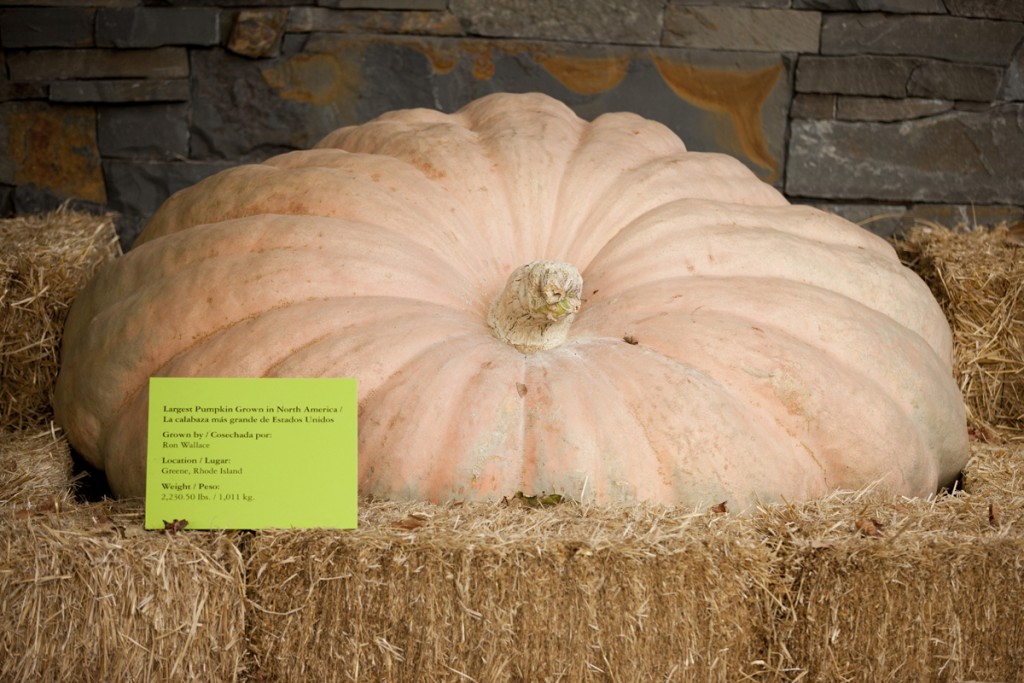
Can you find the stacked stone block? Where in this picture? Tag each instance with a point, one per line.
(906, 108)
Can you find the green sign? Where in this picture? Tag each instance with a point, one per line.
(245, 453)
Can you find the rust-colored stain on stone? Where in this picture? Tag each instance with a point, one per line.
(314, 79)
(442, 58)
(585, 75)
(734, 97)
(741, 95)
(483, 59)
(430, 23)
(55, 149)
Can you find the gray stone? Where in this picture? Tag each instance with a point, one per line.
(309, 19)
(32, 90)
(191, 4)
(946, 80)
(884, 220)
(53, 148)
(1012, 10)
(73, 3)
(128, 229)
(386, 4)
(48, 65)
(977, 41)
(967, 105)
(157, 26)
(1012, 87)
(952, 157)
(258, 33)
(885, 109)
(6, 200)
(138, 188)
(293, 43)
(763, 4)
(963, 215)
(859, 75)
(147, 132)
(893, 6)
(120, 90)
(31, 199)
(237, 114)
(891, 220)
(598, 21)
(740, 28)
(813, 106)
(244, 109)
(23, 27)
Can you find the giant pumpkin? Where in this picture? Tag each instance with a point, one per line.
(532, 302)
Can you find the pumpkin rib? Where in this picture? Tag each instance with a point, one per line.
(268, 371)
(440, 478)
(591, 156)
(695, 416)
(684, 288)
(690, 215)
(607, 459)
(184, 279)
(533, 171)
(930, 408)
(592, 453)
(330, 193)
(415, 384)
(793, 413)
(463, 171)
(186, 282)
(861, 379)
(135, 406)
(736, 394)
(654, 183)
(656, 250)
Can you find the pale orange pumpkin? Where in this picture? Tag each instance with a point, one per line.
(722, 344)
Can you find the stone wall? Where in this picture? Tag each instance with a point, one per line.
(905, 108)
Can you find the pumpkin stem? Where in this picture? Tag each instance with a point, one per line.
(537, 305)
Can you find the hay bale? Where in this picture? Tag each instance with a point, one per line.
(884, 589)
(978, 278)
(424, 593)
(35, 470)
(995, 472)
(44, 262)
(88, 595)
